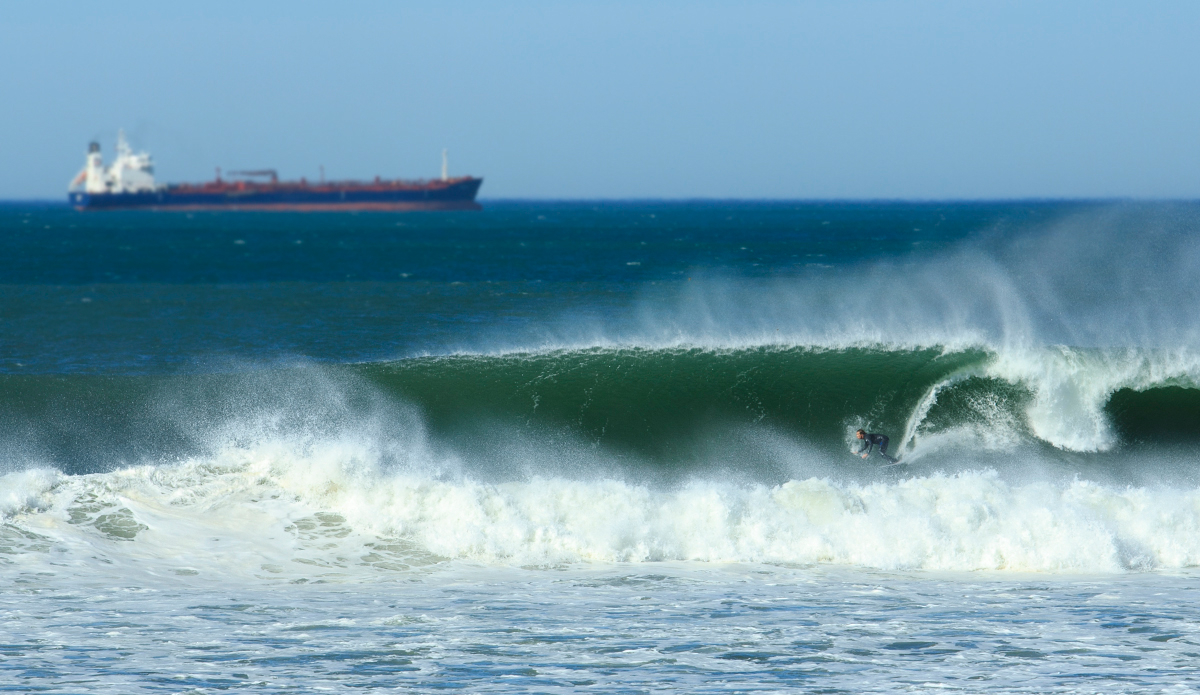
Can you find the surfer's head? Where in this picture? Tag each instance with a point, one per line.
(860, 434)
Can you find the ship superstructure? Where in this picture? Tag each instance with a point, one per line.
(129, 173)
(129, 183)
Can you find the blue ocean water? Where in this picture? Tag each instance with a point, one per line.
(561, 447)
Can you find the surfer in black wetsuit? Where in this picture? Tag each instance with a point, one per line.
(870, 440)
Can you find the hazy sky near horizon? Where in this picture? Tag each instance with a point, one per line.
(613, 99)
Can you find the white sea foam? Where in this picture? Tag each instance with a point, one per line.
(26, 490)
(967, 521)
(278, 510)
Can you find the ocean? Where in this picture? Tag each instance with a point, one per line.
(602, 447)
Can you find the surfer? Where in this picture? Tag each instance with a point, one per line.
(870, 440)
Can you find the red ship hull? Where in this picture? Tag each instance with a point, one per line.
(380, 195)
(323, 207)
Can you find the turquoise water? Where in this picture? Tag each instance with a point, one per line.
(576, 446)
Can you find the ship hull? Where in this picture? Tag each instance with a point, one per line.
(457, 194)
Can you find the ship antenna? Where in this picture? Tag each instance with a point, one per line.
(445, 167)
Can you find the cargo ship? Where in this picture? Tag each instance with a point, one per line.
(129, 184)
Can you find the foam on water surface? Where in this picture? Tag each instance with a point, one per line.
(669, 627)
(335, 510)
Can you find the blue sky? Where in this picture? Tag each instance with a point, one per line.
(619, 99)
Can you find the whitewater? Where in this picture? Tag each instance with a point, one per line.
(493, 471)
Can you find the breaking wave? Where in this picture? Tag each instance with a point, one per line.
(672, 408)
(1046, 413)
(1029, 461)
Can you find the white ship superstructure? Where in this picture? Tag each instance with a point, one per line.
(130, 172)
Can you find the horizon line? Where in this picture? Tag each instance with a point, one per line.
(56, 202)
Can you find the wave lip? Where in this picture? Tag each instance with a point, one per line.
(1072, 386)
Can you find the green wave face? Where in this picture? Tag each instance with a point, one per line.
(669, 404)
(675, 410)
(1164, 415)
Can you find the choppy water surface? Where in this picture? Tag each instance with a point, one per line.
(601, 447)
(669, 627)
